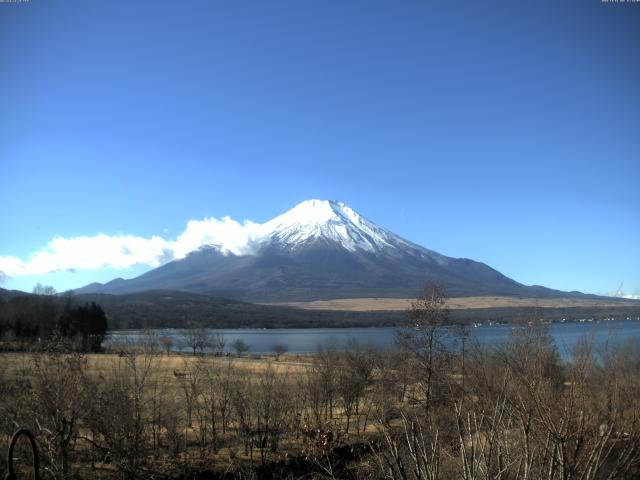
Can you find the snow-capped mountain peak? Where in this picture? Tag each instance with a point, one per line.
(318, 250)
(328, 220)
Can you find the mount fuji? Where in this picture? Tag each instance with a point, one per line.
(321, 250)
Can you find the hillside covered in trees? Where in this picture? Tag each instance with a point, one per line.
(176, 309)
(26, 320)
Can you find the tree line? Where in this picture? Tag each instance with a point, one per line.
(31, 320)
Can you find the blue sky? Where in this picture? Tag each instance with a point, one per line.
(506, 132)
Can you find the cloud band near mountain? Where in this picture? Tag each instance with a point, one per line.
(124, 251)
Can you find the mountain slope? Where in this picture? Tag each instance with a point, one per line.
(322, 250)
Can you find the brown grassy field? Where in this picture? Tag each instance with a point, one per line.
(103, 364)
(457, 303)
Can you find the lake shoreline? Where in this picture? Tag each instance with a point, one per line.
(306, 340)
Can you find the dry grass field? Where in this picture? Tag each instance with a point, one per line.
(166, 365)
(457, 303)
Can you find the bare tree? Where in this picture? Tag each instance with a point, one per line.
(272, 410)
(59, 404)
(279, 349)
(423, 339)
(119, 414)
(389, 384)
(311, 392)
(411, 453)
(167, 343)
(148, 342)
(354, 376)
(214, 397)
(240, 346)
(40, 289)
(325, 367)
(218, 342)
(190, 385)
(210, 375)
(241, 394)
(197, 338)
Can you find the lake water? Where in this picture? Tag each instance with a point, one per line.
(302, 341)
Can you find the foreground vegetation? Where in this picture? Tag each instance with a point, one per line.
(420, 411)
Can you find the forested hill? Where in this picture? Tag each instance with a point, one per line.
(169, 308)
(175, 309)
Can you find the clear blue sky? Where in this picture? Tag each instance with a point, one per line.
(507, 132)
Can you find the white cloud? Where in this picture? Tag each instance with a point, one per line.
(619, 294)
(124, 251)
(230, 235)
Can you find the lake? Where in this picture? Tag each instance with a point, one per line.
(306, 340)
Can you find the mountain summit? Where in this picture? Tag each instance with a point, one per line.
(329, 221)
(320, 250)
